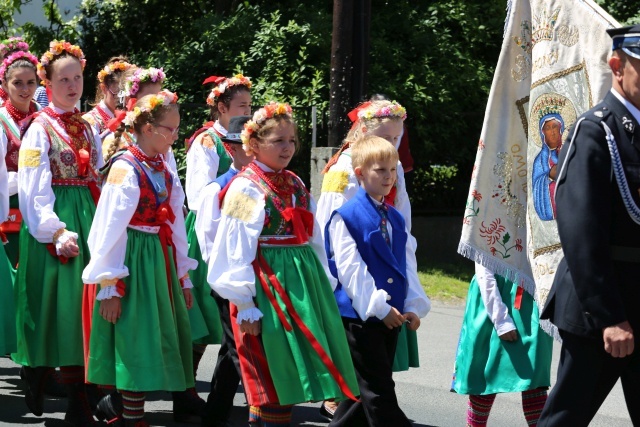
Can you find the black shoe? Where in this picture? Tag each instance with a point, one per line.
(326, 412)
(187, 406)
(78, 413)
(94, 395)
(53, 386)
(109, 407)
(34, 394)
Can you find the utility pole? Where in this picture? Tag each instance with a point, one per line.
(349, 63)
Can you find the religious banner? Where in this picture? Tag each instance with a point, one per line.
(552, 68)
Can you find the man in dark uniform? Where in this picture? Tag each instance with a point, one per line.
(595, 298)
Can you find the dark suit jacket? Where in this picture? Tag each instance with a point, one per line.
(597, 284)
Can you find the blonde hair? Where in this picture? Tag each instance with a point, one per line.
(370, 149)
(269, 126)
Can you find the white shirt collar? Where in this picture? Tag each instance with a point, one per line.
(105, 108)
(263, 166)
(632, 108)
(59, 110)
(218, 127)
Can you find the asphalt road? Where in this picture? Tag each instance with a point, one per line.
(423, 393)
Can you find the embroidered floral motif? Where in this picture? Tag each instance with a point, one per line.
(471, 206)
(496, 241)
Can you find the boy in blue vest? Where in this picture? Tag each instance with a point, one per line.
(369, 253)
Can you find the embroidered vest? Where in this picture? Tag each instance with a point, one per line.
(94, 118)
(12, 132)
(63, 159)
(274, 222)
(155, 189)
(387, 265)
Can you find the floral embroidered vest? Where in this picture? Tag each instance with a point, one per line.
(64, 159)
(13, 140)
(96, 119)
(155, 190)
(274, 222)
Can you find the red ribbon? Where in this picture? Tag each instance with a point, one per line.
(353, 114)
(165, 234)
(518, 301)
(52, 250)
(263, 266)
(3, 237)
(114, 123)
(214, 79)
(302, 221)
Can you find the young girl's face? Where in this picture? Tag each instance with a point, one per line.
(21, 84)
(240, 105)
(389, 130)
(277, 148)
(110, 94)
(162, 135)
(66, 82)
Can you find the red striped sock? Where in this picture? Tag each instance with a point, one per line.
(276, 415)
(532, 403)
(254, 414)
(132, 404)
(72, 374)
(479, 409)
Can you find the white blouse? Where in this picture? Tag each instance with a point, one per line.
(108, 236)
(202, 168)
(206, 225)
(4, 182)
(347, 185)
(235, 245)
(35, 194)
(496, 309)
(353, 274)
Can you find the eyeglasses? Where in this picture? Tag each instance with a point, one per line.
(174, 131)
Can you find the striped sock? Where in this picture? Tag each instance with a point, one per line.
(276, 415)
(254, 414)
(479, 409)
(72, 374)
(532, 403)
(132, 404)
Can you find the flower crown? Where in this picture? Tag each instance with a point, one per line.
(114, 67)
(142, 75)
(13, 44)
(162, 98)
(222, 83)
(56, 48)
(19, 54)
(369, 111)
(267, 112)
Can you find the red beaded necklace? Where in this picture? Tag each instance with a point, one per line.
(156, 162)
(280, 183)
(16, 114)
(103, 114)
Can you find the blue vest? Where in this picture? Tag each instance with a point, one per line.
(387, 266)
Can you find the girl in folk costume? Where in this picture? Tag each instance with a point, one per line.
(7, 47)
(58, 159)
(501, 348)
(140, 338)
(266, 260)
(385, 119)
(208, 158)
(107, 95)
(18, 74)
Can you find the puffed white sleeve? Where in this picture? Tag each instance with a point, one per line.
(108, 236)
(402, 202)
(417, 300)
(184, 263)
(317, 243)
(353, 273)
(202, 168)
(4, 183)
(35, 194)
(97, 143)
(235, 246)
(339, 185)
(496, 309)
(208, 220)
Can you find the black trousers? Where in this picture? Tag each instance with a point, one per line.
(586, 375)
(373, 347)
(226, 375)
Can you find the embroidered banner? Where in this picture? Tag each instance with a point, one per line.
(552, 68)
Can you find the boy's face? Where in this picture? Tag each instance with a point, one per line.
(377, 178)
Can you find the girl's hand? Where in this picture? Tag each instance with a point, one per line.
(251, 328)
(394, 319)
(188, 298)
(509, 336)
(110, 309)
(412, 320)
(70, 248)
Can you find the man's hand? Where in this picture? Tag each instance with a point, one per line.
(251, 328)
(618, 339)
(393, 319)
(110, 309)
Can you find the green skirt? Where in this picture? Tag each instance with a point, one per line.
(48, 293)
(204, 316)
(297, 371)
(149, 348)
(13, 238)
(407, 355)
(485, 364)
(7, 307)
